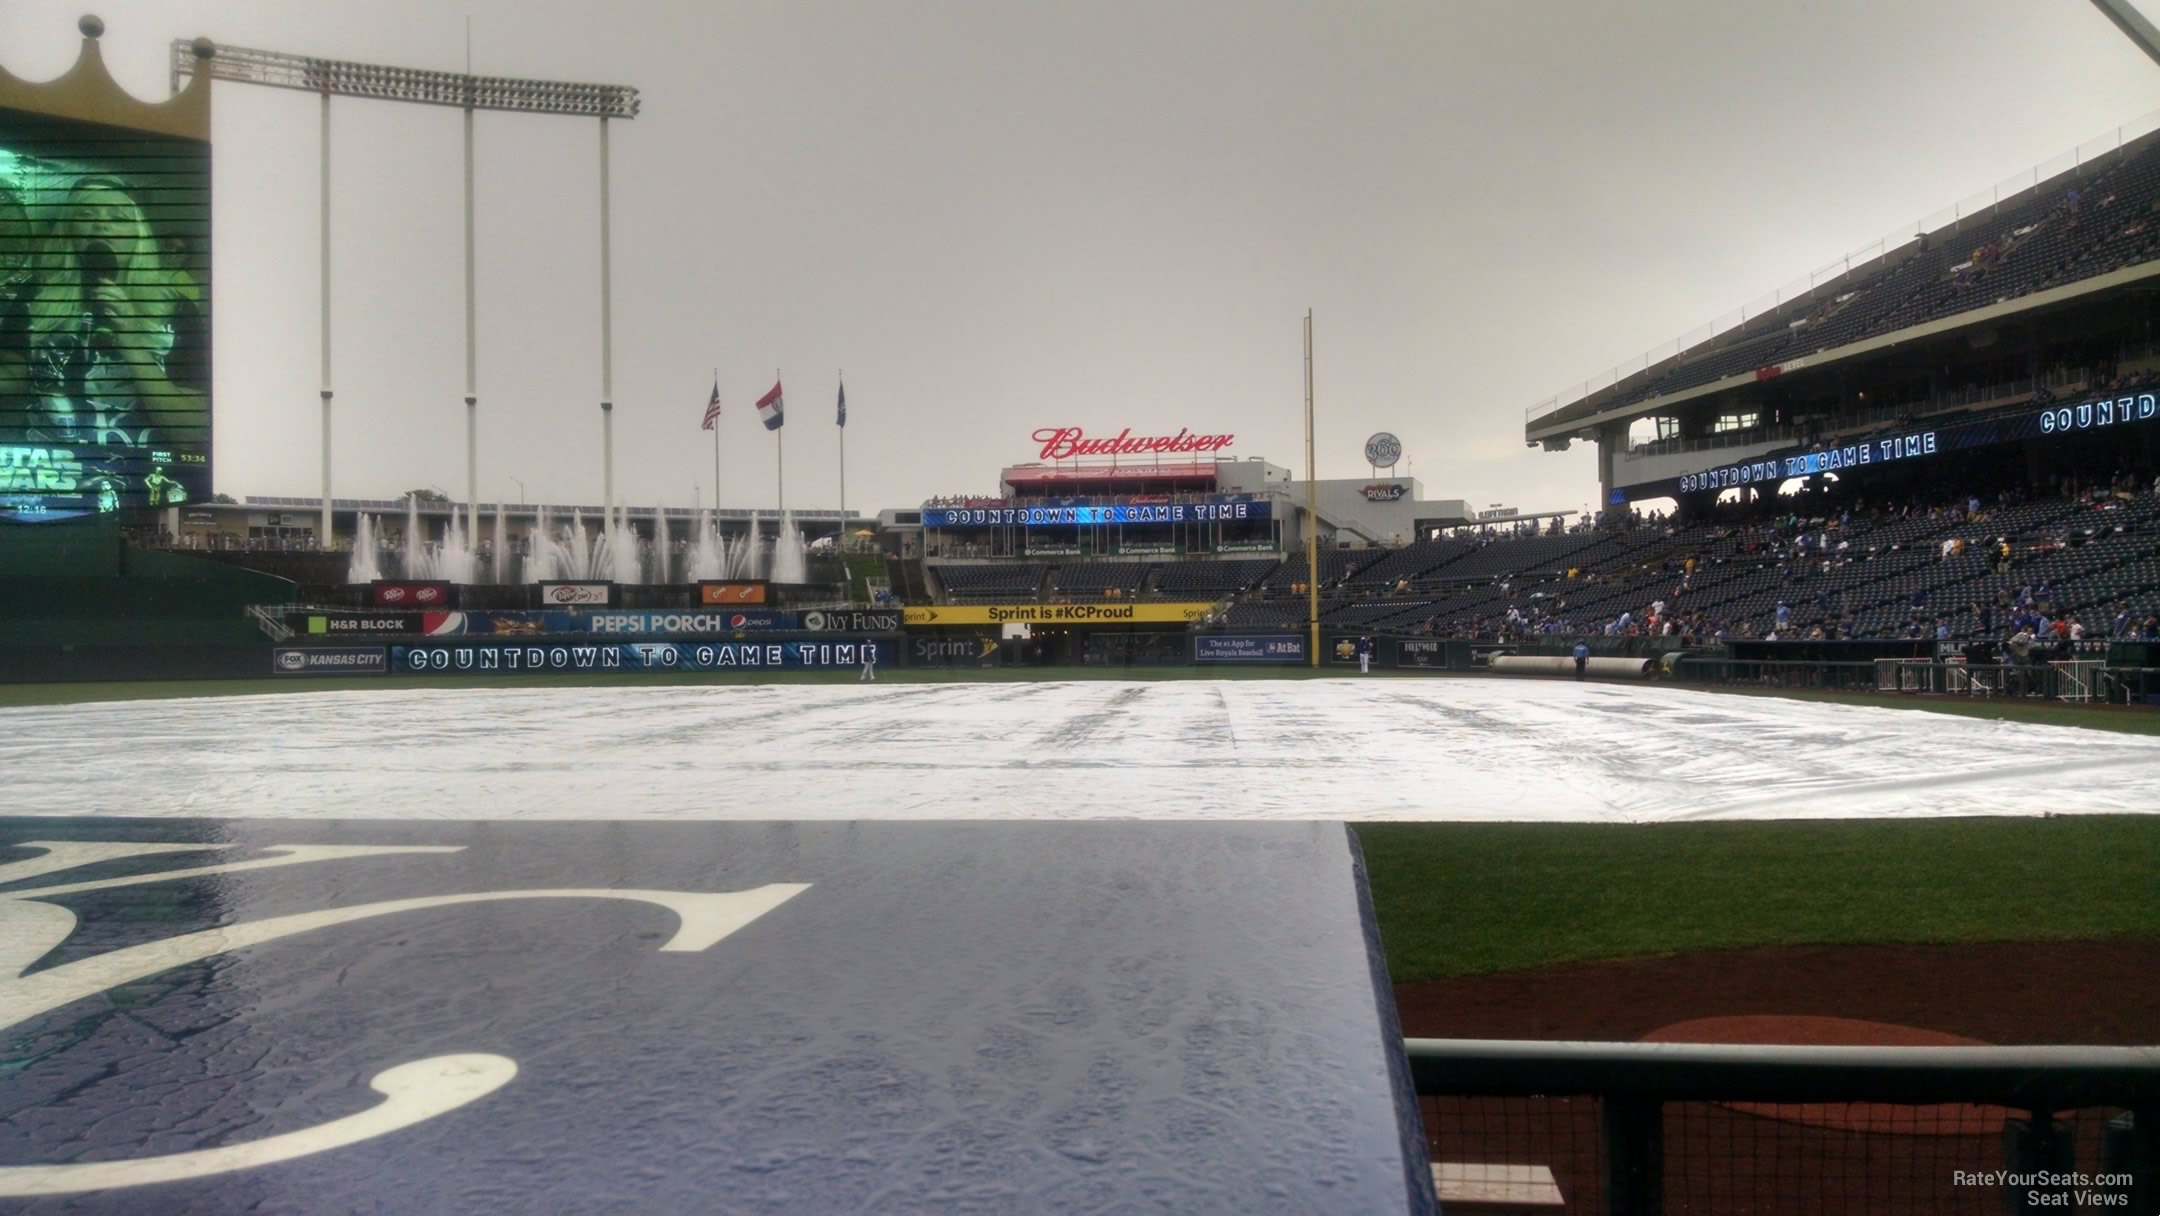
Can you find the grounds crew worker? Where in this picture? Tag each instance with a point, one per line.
(1364, 656)
(1582, 659)
(869, 662)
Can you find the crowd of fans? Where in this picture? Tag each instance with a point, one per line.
(1805, 554)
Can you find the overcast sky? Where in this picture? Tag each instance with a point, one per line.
(1000, 216)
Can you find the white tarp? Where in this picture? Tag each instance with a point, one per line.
(1392, 748)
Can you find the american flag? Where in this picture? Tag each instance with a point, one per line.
(712, 409)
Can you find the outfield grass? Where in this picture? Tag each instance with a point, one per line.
(2130, 719)
(1463, 899)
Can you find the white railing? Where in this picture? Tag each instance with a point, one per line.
(272, 620)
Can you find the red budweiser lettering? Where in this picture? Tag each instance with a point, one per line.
(1066, 442)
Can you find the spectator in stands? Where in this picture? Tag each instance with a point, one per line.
(2021, 649)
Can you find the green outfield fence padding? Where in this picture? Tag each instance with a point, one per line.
(75, 583)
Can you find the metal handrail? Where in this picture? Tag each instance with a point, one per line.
(272, 620)
(1633, 1081)
(2054, 1078)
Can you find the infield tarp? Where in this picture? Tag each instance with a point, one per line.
(1383, 747)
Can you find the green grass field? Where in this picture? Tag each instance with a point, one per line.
(1462, 899)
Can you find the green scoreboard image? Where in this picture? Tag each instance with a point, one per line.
(104, 318)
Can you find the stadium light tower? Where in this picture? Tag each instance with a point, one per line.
(459, 90)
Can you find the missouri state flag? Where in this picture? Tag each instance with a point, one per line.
(768, 408)
(712, 408)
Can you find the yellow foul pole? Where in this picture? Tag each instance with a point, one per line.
(1312, 508)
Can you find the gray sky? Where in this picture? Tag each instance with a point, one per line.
(1000, 216)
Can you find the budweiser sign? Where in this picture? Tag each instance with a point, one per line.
(1066, 442)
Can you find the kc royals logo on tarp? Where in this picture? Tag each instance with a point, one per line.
(412, 1090)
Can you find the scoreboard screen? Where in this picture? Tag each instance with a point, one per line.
(104, 318)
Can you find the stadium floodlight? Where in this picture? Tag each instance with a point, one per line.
(329, 78)
(344, 78)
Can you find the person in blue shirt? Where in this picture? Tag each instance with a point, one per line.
(1582, 658)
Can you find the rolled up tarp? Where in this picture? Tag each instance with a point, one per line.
(1563, 665)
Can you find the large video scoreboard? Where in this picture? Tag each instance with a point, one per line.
(104, 317)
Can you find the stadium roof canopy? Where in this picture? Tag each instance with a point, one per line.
(1836, 313)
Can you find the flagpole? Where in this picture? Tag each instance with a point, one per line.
(716, 455)
(780, 448)
(841, 540)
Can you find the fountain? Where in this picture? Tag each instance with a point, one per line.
(366, 564)
(661, 544)
(788, 564)
(453, 560)
(623, 564)
(611, 551)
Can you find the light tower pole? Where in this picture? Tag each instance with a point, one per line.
(1312, 507)
(323, 536)
(607, 343)
(472, 363)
